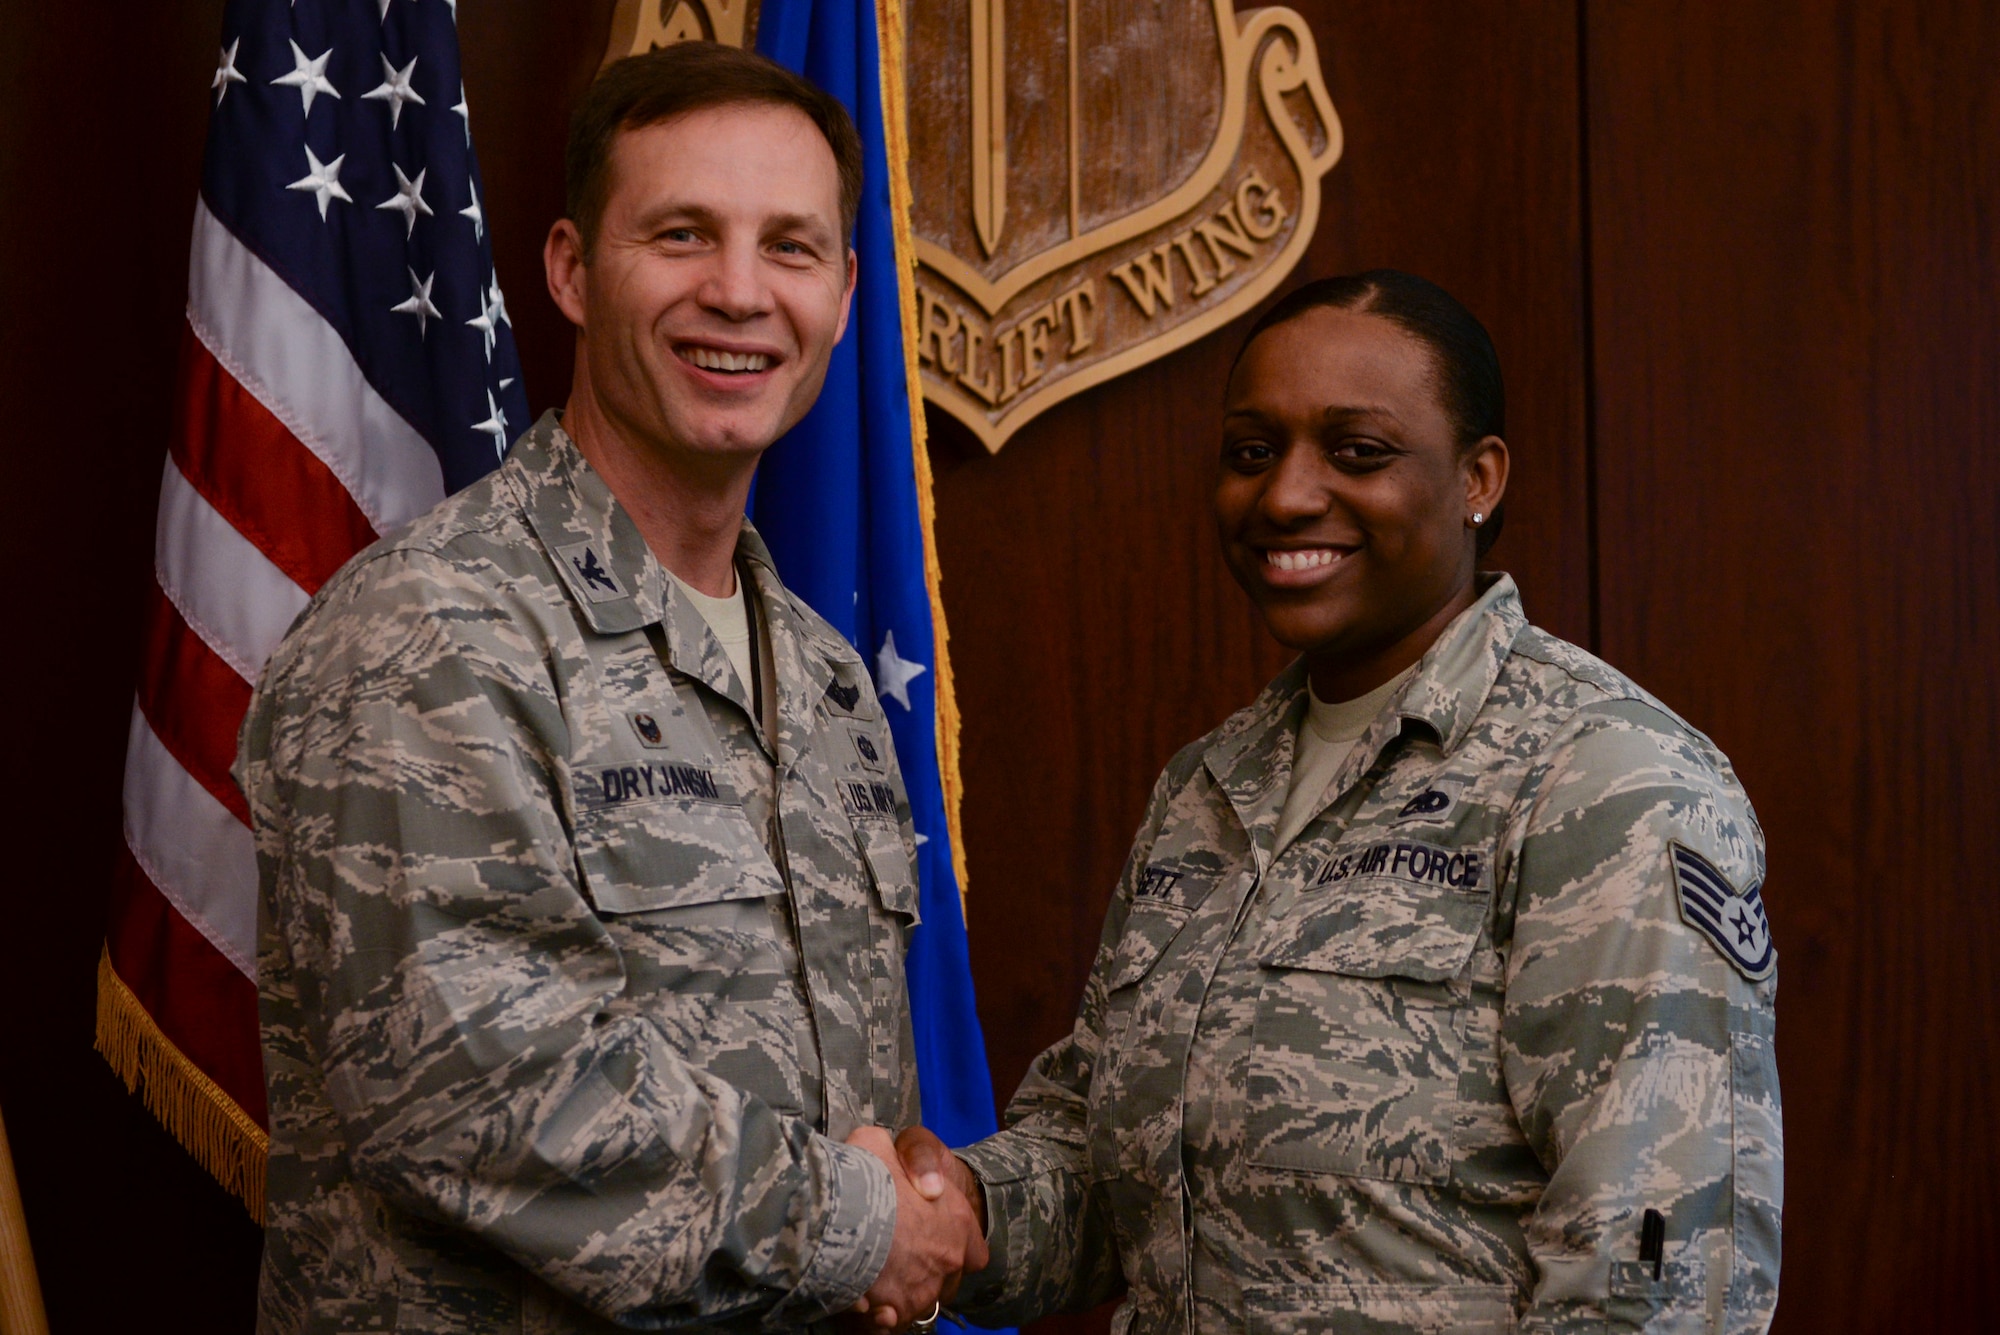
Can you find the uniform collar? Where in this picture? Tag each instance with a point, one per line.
(1455, 676)
(607, 567)
(625, 588)
(1251, 756)
(802, 651)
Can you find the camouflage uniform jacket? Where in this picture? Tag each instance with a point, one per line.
(1427, 1068)
(572, 980)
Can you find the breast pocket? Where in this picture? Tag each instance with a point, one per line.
(691, 897)
(1358, 1043)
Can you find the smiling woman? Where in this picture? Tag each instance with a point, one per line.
(1361, 444)
(1444, 961)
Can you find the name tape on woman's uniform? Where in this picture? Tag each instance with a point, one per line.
(1733, 922)
(1406, 860)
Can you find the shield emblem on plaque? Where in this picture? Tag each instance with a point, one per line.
(1097, 183)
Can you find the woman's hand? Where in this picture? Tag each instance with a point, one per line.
(940, 1235)
(933, 1167)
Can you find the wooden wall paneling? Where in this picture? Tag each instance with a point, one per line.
(1798, 361)
(100, 146)
(1463, 163)
(526, 63)
(1094, 628)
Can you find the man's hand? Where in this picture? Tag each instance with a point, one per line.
(938, 1239)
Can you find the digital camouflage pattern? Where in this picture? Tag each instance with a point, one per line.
(569, 996)
(1426, 1069)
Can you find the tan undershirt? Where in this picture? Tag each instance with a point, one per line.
(728, 619)
(1326, 734)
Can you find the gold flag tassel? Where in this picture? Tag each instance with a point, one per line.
(194, 1109)
(895, 123)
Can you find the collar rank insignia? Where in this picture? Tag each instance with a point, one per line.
(847, 697)
(589, 572)
(1734, 922)
(648, 729)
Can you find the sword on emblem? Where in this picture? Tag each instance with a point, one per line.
(639, 26)
(989, 120)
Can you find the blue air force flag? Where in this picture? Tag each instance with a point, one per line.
(841, 500)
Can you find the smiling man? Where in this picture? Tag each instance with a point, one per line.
(579, 959)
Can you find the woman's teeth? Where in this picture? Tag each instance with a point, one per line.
(1310, 559)
(715, 359)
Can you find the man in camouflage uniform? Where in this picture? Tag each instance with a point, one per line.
(581, 944)
(1433, 1066)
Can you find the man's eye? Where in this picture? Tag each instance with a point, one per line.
(680, 236)
(790, 248)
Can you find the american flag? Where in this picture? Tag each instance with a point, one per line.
(348, 360)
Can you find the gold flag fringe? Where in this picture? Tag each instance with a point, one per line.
(194, 1109)
(895, 122)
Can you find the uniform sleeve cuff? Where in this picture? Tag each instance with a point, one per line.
(1006, 1201)
(855, 1239)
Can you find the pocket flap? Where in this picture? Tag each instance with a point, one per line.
(1382, 929)
(671, 854)
(1148, 929)
(890, 867)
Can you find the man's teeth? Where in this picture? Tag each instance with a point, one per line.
(1306, 560)
(715, 359)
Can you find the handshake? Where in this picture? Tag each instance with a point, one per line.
(940, 1229)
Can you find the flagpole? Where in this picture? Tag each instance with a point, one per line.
(20, 1290)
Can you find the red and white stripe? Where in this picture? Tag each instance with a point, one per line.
(285, 462)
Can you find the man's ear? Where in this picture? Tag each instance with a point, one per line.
(847, 297)
(564, 264)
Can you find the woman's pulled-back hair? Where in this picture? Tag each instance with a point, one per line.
(1468, 369)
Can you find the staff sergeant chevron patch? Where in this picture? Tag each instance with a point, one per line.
(1734, 922)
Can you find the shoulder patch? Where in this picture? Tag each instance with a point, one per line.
(1734, 922)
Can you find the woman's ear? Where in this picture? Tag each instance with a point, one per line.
(1485, 478)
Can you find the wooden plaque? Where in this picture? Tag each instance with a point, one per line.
(1095, 183)
(639, 26)
(1098, 183)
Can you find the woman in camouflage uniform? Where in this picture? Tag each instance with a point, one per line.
(1437, 992)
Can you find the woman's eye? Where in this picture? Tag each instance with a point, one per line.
(1248, 453)
(1361, 450)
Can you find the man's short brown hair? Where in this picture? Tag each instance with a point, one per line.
(638, 91)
